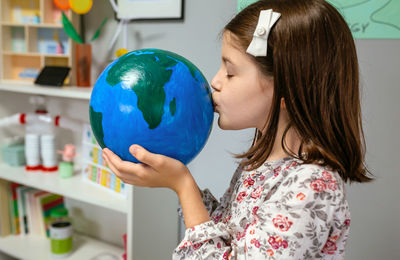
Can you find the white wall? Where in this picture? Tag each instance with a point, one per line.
(375, 207)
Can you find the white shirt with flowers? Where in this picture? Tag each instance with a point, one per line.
(282, 210)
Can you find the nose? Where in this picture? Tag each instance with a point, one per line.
(216, 83)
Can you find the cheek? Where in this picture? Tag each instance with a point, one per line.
(233, 104)
(262, 106)
(239, 113)
(245, 105)
(254, 109)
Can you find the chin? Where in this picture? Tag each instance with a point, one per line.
(221, 124)
(223, 127)
(226, 126)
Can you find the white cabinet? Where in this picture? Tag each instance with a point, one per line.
(151, 214)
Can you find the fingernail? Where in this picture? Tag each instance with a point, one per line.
(134, 149)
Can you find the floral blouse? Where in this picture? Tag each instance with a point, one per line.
(282, 210)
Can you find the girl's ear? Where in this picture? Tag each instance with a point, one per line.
(283, 104)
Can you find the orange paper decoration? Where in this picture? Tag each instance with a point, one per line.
(62, 4)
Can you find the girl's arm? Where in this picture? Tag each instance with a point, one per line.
(209, 201)
(191, 201)
(161, 171)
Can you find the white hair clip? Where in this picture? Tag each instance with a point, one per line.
(258, 46)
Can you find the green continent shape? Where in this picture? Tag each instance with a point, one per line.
(151, 73)
(96, 119)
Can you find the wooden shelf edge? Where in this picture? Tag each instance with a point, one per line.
(35, 54)
(31, 247)
(40, 25)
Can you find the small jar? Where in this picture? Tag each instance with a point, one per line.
(60, 233)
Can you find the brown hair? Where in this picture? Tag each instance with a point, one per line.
(313, 60)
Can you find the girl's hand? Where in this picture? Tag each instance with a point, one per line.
(161, 171)
(155, 170)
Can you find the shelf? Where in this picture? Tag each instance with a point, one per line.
(31, 36)
(21, 53)
(36, 54)
(33, 248)
(29, 88)
(41, 25)
(54, 55)
(75, 187)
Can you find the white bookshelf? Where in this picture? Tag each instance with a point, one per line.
(151, 214)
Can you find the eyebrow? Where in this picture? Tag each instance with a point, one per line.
(226, 59)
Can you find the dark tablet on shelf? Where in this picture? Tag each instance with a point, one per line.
(52, 76)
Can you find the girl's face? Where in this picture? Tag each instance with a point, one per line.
(242, 95)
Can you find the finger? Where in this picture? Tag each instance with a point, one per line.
(110, 154)
(110, 165)
(122, 166)
(126, 177)
(156, 161)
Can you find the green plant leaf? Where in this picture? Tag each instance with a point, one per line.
(70, 30)
(97, 33)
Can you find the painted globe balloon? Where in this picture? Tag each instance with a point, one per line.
(154, 98)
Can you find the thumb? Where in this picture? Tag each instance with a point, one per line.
(146, 157)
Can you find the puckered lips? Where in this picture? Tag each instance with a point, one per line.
(214, 103)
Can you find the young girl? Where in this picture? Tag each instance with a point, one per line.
(289, 70)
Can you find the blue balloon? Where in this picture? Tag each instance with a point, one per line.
(153, 98)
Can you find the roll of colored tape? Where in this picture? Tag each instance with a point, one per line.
(61, 238)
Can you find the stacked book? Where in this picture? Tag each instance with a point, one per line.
(26, 210)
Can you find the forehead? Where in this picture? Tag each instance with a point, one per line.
(238, 57)
(231, 50)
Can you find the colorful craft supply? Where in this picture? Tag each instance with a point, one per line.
(94, 168)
